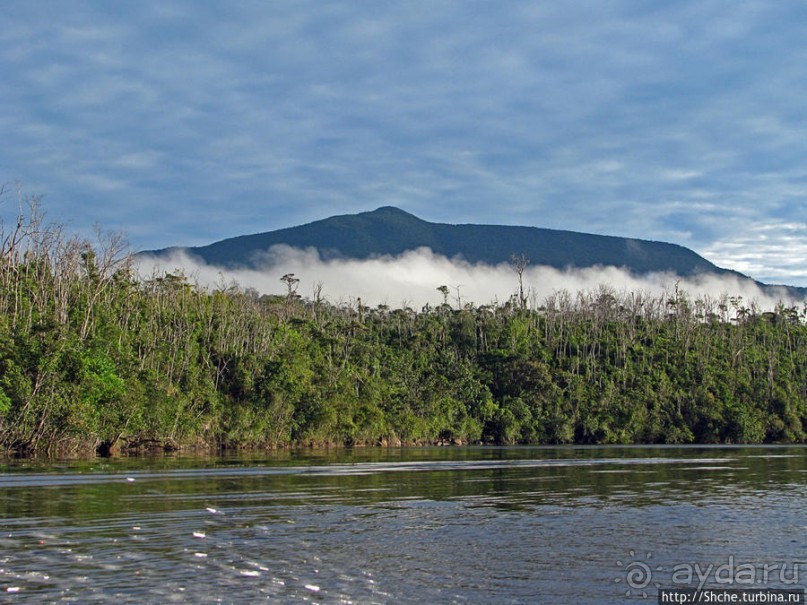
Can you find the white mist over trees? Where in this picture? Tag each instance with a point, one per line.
(415, 277)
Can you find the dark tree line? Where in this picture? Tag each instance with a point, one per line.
(93, 357)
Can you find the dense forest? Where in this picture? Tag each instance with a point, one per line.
(94, 357)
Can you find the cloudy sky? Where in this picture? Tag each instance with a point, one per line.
(182, 123)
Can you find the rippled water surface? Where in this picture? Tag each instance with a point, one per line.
(442, 525)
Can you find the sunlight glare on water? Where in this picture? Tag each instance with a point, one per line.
(448, 525)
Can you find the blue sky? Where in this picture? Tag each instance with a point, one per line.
(182, 123)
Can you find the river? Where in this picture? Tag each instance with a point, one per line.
(420, 525)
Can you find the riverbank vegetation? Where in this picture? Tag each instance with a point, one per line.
(94, 357)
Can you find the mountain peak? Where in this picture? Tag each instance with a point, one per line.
(389, 210)
(388, 230)
(392, 212)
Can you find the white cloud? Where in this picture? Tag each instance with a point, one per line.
(773, 252)
(413, 278)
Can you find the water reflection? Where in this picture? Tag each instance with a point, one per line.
(474, 525)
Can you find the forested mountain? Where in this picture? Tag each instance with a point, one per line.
(392, 231)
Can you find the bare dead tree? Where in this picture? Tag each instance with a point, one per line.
(519, 263)
(99, 262)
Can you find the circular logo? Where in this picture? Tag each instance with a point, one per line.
(638, 575)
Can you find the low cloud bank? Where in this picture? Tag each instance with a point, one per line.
(412, 279)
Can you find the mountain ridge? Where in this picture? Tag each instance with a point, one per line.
(391, 231)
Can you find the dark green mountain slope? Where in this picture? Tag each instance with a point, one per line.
(392, 231)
